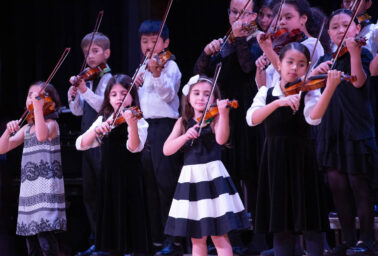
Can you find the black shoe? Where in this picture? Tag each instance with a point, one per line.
(170, 249)
(89, 251)
(211, 249)
(339, 250)
(362, 249)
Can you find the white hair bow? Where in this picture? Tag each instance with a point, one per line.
(193, 80)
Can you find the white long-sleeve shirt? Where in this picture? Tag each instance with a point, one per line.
(310, 100)
(272, 76)
(94, 99)
(158, 96)
(142, 133)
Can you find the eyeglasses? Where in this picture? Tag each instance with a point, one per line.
(235, 13)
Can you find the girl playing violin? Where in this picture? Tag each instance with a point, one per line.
(288, 198)
(296, 15)
(121, 211)
(41, 209)
(206, 202)
(346, 141)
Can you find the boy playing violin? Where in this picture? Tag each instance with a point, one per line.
(85, 99)
(158, 84)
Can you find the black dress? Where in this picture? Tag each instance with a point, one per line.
(206, 202)
(237, 81)
(346, 137)
(289, 197)
(121, 222)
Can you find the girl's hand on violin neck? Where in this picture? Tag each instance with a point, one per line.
(38, 102)
(192, 132)
(291, 101)
(213, 47)
(237, 29)
(222, 107)
(12, 127)
(72, 92)
(103, 129)
(266, 44)
(82, 87)
(262, 62)
(154, 67)
(139, 79)
(130, 119)
(323, 68)
(334, 78)
(354, 48)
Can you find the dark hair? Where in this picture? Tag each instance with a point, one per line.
(269, 3)
(124, 80)
(51, 92)
(187, 111)
(149, 27)
(314, 21)
(342, 11)
(296, 46)
(99, 39)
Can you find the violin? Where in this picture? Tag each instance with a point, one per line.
(249, 28)
(135, 111)
(313, 83)
(89, 74)
(283, 37)
(364, 18)
(361, 41)
(48, 108)
(213, 111)
(163, 57)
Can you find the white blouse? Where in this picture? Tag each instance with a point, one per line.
(310, 100)
(142, 133)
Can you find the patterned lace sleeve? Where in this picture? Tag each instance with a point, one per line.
(245, 57)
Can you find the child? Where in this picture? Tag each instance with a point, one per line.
(157, 89)
(295, 14)
(265, 16)
(86, 100)
(206, 202)
(121, 224)
(288, 199)
(346, 141)
(236, 81)
(42, 209)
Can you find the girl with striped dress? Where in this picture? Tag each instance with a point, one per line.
(206, 202)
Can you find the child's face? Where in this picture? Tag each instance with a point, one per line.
(116, 96)
(293, 65)
(198, 96)
(291, 19)
(236, 6)
(97, 55)
(147, 43)
(33, 92)
(265, 18)
(338, 25)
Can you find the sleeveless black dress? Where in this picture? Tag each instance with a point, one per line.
(206, 202)
(288, 197)
(121, 222)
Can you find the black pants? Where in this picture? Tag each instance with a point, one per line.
(91, 169)
(160, 175)
(42, 244)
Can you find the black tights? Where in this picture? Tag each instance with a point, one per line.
(344, 188)
(42, 244)
(284, 243)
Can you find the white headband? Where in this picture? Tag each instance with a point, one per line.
(193, 80)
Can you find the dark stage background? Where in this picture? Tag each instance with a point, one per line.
(33, 36)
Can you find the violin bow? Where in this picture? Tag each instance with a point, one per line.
(207, 106)
(312, 55)
(95, 30)
(333, 60)
(229, 32)
(278, 16)
(118, 111)
(57, 66)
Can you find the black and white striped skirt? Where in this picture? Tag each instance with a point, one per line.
(206, 203)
